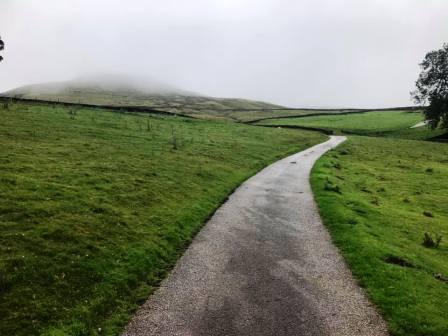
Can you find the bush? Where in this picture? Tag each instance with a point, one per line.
(337, 165)
(72, 113)
(430, 241)
(329, 186)
(173, 138)
(4, 282)
(352, 221)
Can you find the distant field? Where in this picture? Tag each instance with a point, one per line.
(97, 206)
(248, 116)
(378, 197)
(394, 124)
(359, 122)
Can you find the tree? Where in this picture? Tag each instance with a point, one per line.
(432, 87)
(2, 46)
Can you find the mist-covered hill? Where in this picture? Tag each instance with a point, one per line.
(117, 90)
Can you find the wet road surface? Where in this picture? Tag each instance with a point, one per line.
(263, 265)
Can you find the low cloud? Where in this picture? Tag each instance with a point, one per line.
(324, 53)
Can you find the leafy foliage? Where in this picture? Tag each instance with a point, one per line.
(432, 87)
(2, 46)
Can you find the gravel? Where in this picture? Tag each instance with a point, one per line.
(263, 265)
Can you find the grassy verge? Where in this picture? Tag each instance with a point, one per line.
(378, 197)
(97, 206)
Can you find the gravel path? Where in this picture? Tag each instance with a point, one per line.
(263, 265)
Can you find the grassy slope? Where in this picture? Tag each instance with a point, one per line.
(206, 107)
(95, 210)
(386, 186)
(125, 94)
(196, 106)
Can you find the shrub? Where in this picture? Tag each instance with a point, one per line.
(365, 189)
(4, 282)
(173, 138)
(72, 113)
(329, 186)
(337, 165)
(352, 221)
(375, 201)
(430, 241)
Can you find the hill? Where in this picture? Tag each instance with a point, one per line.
(115, 90)
(123, 91)
(97, 206)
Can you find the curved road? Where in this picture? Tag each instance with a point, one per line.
(263, 265)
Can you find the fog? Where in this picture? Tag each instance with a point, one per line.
(316, 53)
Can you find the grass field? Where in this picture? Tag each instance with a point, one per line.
(362, 122)
(380, 123)
(378, 197)
(97, 206)
(249, 116)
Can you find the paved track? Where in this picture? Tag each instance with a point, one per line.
(263, 265)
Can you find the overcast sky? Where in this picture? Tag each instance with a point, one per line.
(321, 53)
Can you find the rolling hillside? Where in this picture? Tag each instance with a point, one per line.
(97, 206)
(124, 91)
(127, 91)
